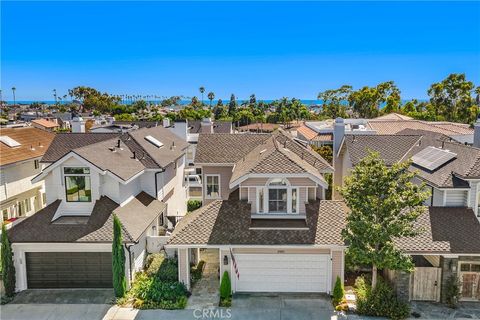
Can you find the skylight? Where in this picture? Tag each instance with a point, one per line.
(9, 141)
(431, 158)
(154, 141)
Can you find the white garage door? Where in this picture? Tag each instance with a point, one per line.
(282, 272)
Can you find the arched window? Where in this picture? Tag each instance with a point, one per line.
(277, 197)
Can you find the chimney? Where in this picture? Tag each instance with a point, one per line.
(338, 134)
(206, 125)
(476, 133)
(78, 125)
(166, 122)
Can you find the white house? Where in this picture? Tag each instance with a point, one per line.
(21, 150)
(138, 176)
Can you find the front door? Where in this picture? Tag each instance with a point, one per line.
(470, 281)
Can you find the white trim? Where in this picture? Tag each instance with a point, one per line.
(256, 246)
(205, 176)
(277, 175)
(279, 216)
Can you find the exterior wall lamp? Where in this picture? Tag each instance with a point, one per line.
(225, 260)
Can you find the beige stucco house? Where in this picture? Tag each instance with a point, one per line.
(266, 214)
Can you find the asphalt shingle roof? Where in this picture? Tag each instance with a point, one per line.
(101, 149)
(228, 222)
(445, 229)
(135, 216)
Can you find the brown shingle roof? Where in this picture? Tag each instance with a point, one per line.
(445, 229)
(226, 148)
(228, 222)
(392, 148)
(271, 158)
(34, 143)
(96, 148)
(135, 217)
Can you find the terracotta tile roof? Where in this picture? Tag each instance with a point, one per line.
(228, 222)
(34, 143)
(45, 123)
(135, 217)
(392, 148)
(308, 133)
(445, 230)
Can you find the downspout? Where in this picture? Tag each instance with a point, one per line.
(130, 261)
(156, 184)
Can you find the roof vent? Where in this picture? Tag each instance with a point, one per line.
(154, 141)
(10, 142)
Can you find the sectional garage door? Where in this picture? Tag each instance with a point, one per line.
(69, 269)
(282, 272)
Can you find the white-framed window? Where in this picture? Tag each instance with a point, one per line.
(77, 184)
(36, 164)
(28, 205)
(212, 186)
(278, 197)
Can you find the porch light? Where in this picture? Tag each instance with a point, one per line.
(225, 260)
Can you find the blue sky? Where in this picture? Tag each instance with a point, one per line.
(272, 49)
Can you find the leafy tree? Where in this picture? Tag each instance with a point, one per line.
(118, 260)
(366, 101)
(8, 268)
(211, 96)
(334, 101)
(453, 99)
(93, 99)
(384, 204)
(232, 106)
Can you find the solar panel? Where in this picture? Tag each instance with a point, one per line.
(431, 158)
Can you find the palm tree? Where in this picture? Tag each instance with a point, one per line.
(55, 95)
(211, 96)
(13, 91)
(202, 90)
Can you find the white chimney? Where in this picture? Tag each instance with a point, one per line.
(78, 125)
(476, 133)
(338, 134)
(166, 122)
(206, 125)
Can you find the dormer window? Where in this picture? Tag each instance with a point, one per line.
(277, 197)
(77, 184)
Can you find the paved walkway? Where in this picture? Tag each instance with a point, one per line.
(205, 293)
(465, 310)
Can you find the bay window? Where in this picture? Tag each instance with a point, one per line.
(77, 184)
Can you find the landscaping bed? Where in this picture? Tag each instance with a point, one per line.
(157, 287)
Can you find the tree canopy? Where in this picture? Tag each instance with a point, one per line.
(384, 204)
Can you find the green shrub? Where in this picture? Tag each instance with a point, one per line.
(118, 260)
(196, 271)
(152, 293)
(193, 205)
(362, 287)
(452, 291)
(380, 302)
(225, 291)
(8, 268)
(338, 292)
(158, 265)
